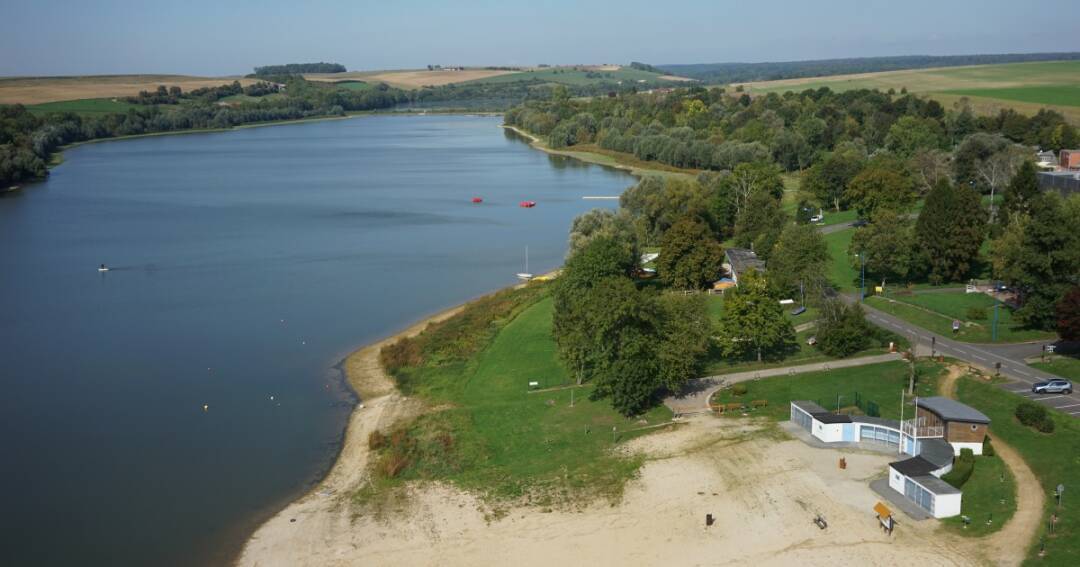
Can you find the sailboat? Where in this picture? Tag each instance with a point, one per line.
(526, 276)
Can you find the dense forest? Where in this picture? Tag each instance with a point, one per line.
(722, 73)
(298, 68)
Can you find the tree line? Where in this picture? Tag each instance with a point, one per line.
(298, 68)
(174, 94)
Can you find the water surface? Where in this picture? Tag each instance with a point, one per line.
(245, 265)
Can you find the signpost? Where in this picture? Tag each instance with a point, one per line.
(1059, 493)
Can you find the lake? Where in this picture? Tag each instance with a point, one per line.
(244, 266)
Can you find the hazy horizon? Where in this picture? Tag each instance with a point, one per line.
(57, 37)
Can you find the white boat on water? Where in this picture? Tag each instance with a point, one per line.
(103, 268)
(525, 276)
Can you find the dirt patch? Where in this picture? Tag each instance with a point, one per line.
(676, 78)
(37, 90)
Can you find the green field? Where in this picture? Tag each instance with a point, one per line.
(86, 106)
(1055, 459)
(841, 273)
(879, 383)
(1025, 87)
(569, 76)
(1062, 366)
(509, 442)
(935, 312)
(353, 85)
(991, 483)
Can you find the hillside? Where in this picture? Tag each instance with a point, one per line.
(575, 75)
(37, 90)
(1025, 87)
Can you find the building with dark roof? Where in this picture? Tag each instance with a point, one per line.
(1064, 182)
(738, 261)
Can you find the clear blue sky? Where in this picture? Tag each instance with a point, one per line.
(216, 37)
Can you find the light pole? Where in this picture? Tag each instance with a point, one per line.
(862, 271)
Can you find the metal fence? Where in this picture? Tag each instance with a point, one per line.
(867, 407)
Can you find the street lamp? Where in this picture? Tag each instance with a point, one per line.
(862, 275)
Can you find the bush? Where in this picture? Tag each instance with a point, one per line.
(963, 466)
(988, 447)
(1047, 425)
(376, 440)
(738, 390)
(1030, 413)
(976, 313)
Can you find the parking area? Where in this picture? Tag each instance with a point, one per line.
(1069, 404)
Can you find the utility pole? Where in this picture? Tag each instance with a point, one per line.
(862, 269)
(900, 449)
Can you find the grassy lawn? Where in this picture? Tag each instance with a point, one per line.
(508, 442)
(990, 484)
(86, 106)
(936, 312)
(880, 383)
(1060, 95)
(1062, 366)
(353, 85)
(841, 273)
(1055, 459)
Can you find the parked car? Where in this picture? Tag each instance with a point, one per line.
(860, 223)
(817, 218)
(1056, 386)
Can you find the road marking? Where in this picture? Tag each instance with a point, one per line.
(1068, 406)
(1018, 371)
(1051, 398)
(961, 351)
(977, 357)
(1074, 412)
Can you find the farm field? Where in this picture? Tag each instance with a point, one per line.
(38, 90)
(89, 106)
(580, 75)
(408, 79)
(1026, 87)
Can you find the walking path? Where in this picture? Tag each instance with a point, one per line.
(694, 397)
(1008, 546)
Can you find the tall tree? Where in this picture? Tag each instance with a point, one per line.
(1068, 315)
(759, 224)
(618, 226)
(686, 332)
(690, 257)
(828, 179)
(911, 134)
(949, 232)
(750, 179)
(928, 167)
(753, 323)
(842, 329)
(798, 263)
(887, 246)
(881, 186)
(1023, 187)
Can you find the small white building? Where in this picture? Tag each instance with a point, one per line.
(940, 429)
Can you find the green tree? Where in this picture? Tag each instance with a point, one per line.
(754, 323)
(1023, 187)
(842, 329)
(618, 226)
(750, 179)
(759, 225)
(685, 336)
(909, 134)
(885, 185)
(828, 179)
(690, 257)
(949, 232)
(657, 203)
(887, 247)
(798, 262)
(601, 259)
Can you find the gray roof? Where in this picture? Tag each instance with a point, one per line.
(827, 417)
(935, 485)
(879, 421)
(742, 260)
(952, 410)
(808, 406)
(938, 452)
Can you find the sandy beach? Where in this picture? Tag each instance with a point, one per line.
(762, 487)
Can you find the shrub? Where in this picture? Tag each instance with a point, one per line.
(376, 440)
(1030, 413)
(738, 390)
(976, 313)
(1046, 425)
(963, 466)
(392, 464)
(988, 447)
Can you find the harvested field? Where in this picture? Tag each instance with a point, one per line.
(408, 79)
(37, 90)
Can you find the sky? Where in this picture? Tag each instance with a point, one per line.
(225, 37)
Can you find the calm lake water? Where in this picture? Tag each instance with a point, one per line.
(245, 265)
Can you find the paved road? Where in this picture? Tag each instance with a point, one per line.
(1011, 358)
(695, 396)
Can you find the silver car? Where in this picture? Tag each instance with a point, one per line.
(1057, 386)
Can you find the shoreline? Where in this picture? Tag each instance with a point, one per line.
(593, 158)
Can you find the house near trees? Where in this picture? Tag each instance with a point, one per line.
(940, 429)
(738, 261)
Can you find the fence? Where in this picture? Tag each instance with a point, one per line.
(866, 407)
